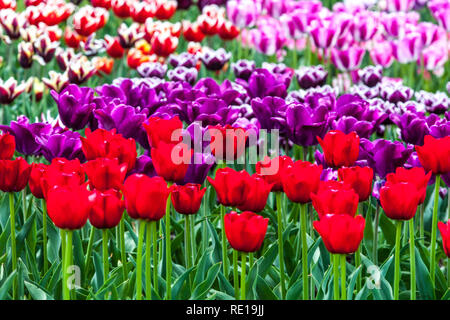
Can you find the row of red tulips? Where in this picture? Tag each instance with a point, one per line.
(112, 187)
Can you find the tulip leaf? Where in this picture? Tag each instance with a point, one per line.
(225, 285)
(6, 285)
(351, 284)
(23, 233)
(423, 279)
(36, 292)
(388, 229)
(200, 292)
(267, 260)
(179, 283)
(263, 290)
(295, 291)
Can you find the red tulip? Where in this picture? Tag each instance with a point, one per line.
(171, 161)
(121, 8)
(335, 198)
(192, 32)
(340, 149)
(69, 206)
(246, 231)
(208, 23)
(109, 144)
(414, 175)
(257, 195)
(227, 142)
(167, 130)
(270, 170)
(228, 31)
(444, 228)
(104, 173)
(300, 180)
(71, 38)
(113, 47)
(166, 9)
(37, 172)
(107, 209)
(14, 175)
(359, 178)
(140, 11)
(145, 197)
(400, 200)
(62, 172)
(188, 198)
(164, 43)
(7, 146)
(434, 155)
(232, 187)
(101, 3)
(341, 233)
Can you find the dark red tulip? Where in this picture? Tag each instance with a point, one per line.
(167, 130)
(7, 146)
(62, 172)
(257, 194)
(444, 228)
(164, 43)
(246, 231)
(192, 32)
(14, 175)
(341, 233)
(145, 197)
(109, 144)
(335, 197)
(171, 161)
(188, 198)
(165, 9)
(121, 8)
(400, 200)
(69, 206)
(228, 31)
(434, 155)
(113, 47)
(340, 149)
(270, 170)
(359, 178)
(227, 141)
(72, 38)
(104, 173)
(107, 209)
(300, 180)
(140, 11)
(37, 172)
(414, 175)
(232, 187)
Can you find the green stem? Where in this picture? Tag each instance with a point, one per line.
(168, 252)
(235, 274)
(139, 260)
(123, 253)
(68, 255)
(63, 258)
(155, 256)
(304, 252)
(280, 245)
(105, 254)
(398, 234)
(224, 243)
(44, 234)
(422, 226)
(343, 278)
(434, 231)
(148, 269)
(87, 260)
(335, 258)
(357, 264)
(375, 235)
(243, 265)
(412, 258)
(12, 214)
(250, 259)
(187, 242)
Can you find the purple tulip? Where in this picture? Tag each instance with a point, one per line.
(243, 69)
(152, 69)
(413, 127)
(263, 83)
(437, 102)
(348, 59)
(214, 60)
(184, 59)
(198, 169)
(243, 13)
(395, 92)
(371, 75)
(75, 105)
(305, 124)
(66, 144)
(183, 74)
(384, 156)
(143, 165)
(309, 77)
(270, 112)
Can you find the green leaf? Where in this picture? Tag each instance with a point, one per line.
(351, 284)
(263, 290)
(176, 288)
(388, 229)
(202, 289)
(267, 260)
(423, 279)
(36, 292)
(6, 285)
